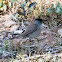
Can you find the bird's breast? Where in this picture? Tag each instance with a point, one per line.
(35, 34)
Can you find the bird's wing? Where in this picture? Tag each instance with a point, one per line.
(30, 29)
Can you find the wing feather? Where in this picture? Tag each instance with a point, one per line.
(30, 29)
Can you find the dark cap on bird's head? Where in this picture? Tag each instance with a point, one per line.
(40, 20)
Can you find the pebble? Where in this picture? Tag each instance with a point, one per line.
(9, 23)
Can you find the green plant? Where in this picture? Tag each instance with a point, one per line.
(58, 8)
(26, 11)
(6, 46)
(54, 11)
(7, 4)
(7, 49)
(2, 6)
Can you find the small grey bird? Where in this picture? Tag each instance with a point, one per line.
(33, 30)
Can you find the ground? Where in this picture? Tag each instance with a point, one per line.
(47, 47)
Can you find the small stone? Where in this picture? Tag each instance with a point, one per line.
(14, 28)
(18, 32)
(9, 23)
(44, 33)
(60, 31)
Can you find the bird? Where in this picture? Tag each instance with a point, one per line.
(33, 30)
